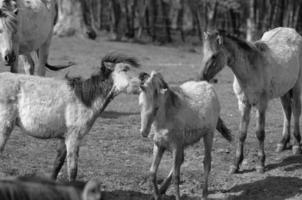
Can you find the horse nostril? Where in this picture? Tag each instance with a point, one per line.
(6, 58)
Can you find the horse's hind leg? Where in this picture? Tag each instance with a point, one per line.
(60, 158)
(296, 114)
(287, 112)
(245, 110)
(208, 142)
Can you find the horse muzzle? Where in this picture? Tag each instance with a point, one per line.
(10, 58)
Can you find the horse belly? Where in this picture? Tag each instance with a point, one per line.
(41, 122)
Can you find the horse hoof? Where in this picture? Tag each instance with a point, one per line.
(233, 170)
(280, 147)
(296, 150)
(260, 169)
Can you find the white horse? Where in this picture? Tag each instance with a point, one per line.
(26, 26)
(180, 116)
(266, 69)
(64, 109)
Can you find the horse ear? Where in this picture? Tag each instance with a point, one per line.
(16, 11)
(163, 91)
(109, 65)
(205, 35)
(219, 40)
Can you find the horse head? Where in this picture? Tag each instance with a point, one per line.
(214, 56)
(8, 30)
(152, 98)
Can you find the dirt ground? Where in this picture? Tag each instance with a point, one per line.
(115, 151)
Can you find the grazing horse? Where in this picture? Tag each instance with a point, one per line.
(266, 69)
(180, 116)
(64, 109)
(26, 26)
(36, 188)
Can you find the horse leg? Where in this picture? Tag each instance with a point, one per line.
(287, 112)
(245, 110)
(7, 124)
(28, 63)
(178, 155)
(14, 67)
(166, 183)
(260, 133)
(42, 53)
(5, 130)
(60, 158)
(208, 142)
(72, 147)
(157, 156)
(296, 114)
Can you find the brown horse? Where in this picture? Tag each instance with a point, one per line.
(263, 70)
(36, 188)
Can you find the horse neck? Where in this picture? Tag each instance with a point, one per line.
(239, 63)
(166, 110)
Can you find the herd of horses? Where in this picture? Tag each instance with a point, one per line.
(179, 116)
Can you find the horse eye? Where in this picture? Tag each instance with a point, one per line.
(1, 31)
(126, 68)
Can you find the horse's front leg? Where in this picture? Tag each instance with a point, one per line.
(157, 156)
(245, 110)
(72, 146)
(260, 133)
(60, 158)
(28, 63)
(14, 66)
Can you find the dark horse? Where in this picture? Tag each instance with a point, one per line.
(36, 188)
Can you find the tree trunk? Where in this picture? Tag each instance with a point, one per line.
(251, 29)
(74, 19)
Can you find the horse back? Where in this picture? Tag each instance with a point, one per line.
(284, 58)
(32, 188)
(200, 102)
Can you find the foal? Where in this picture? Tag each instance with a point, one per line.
(180, 116)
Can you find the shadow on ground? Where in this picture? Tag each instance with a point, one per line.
(115, 115)
(271, 188)
(290, 163)
(132, 195)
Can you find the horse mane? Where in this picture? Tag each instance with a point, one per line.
(101, 83)
(243, 44)
(35, 188)
(8, 18)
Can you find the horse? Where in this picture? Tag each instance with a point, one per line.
(36, 188)
(180, 117)
(26, 26)
(263, 70)
(64, 109)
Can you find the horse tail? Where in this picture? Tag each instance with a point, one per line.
(225, 132)
(59, 67)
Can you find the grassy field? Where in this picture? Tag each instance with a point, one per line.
(115, 151)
